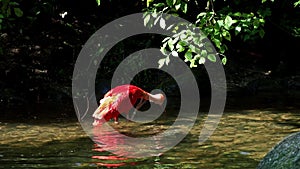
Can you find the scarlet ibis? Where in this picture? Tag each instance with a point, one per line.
(120, 100)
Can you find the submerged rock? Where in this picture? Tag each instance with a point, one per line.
(285, 155)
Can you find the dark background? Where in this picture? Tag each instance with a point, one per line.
(39, 49)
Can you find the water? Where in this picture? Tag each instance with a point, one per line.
(241, 140)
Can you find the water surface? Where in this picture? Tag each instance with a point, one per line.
(241, 140)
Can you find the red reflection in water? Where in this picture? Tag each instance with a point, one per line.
(108, 140)
(109, 157)
(114, 165)
(115, 162)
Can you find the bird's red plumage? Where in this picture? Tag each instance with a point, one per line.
(118, 100)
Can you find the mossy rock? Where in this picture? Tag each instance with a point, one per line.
(285, 155)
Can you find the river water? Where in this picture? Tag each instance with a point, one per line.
(241, 140)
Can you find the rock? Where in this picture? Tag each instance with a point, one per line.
(285, 155)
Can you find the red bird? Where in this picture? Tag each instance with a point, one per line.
(120, 100)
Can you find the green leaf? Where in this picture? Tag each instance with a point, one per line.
(183, 36)
(261, 20)
(237, 30)
(256, 24)
(212, 57)
(149, 2)
(209, 48)
(162, 23)
(158, 5)
(297, 3)
(188, 55)
(216, 32)
(226, 35)
(171, 44)
(261, 33)
(217, 42)
(170, 27)
(161, 62)
(197, 40)
(203, 53)
(183, 43)
(163, 50)
(201, 14)
(220, 23)
(98, 2)
(174, 2)
(192, 64)
(228, 22)
(154, 14)
(177, 7)
(237, 14)
(223, 48)
(202, 60)
(157, 18)
(169, 2)
(167, 60)
(184, 7)
(224, 60)
(179, 47)
(18, 12)
(13, 3)
(196, 57)
(175, 40)
(192, 47)
(100, 50)
(146, 19)
(166, 39)
(174, 53)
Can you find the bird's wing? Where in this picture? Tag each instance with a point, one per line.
(106, 104)
(109, 103)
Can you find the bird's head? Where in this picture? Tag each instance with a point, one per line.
(157, 98)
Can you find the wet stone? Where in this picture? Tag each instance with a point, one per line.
(286, 154)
